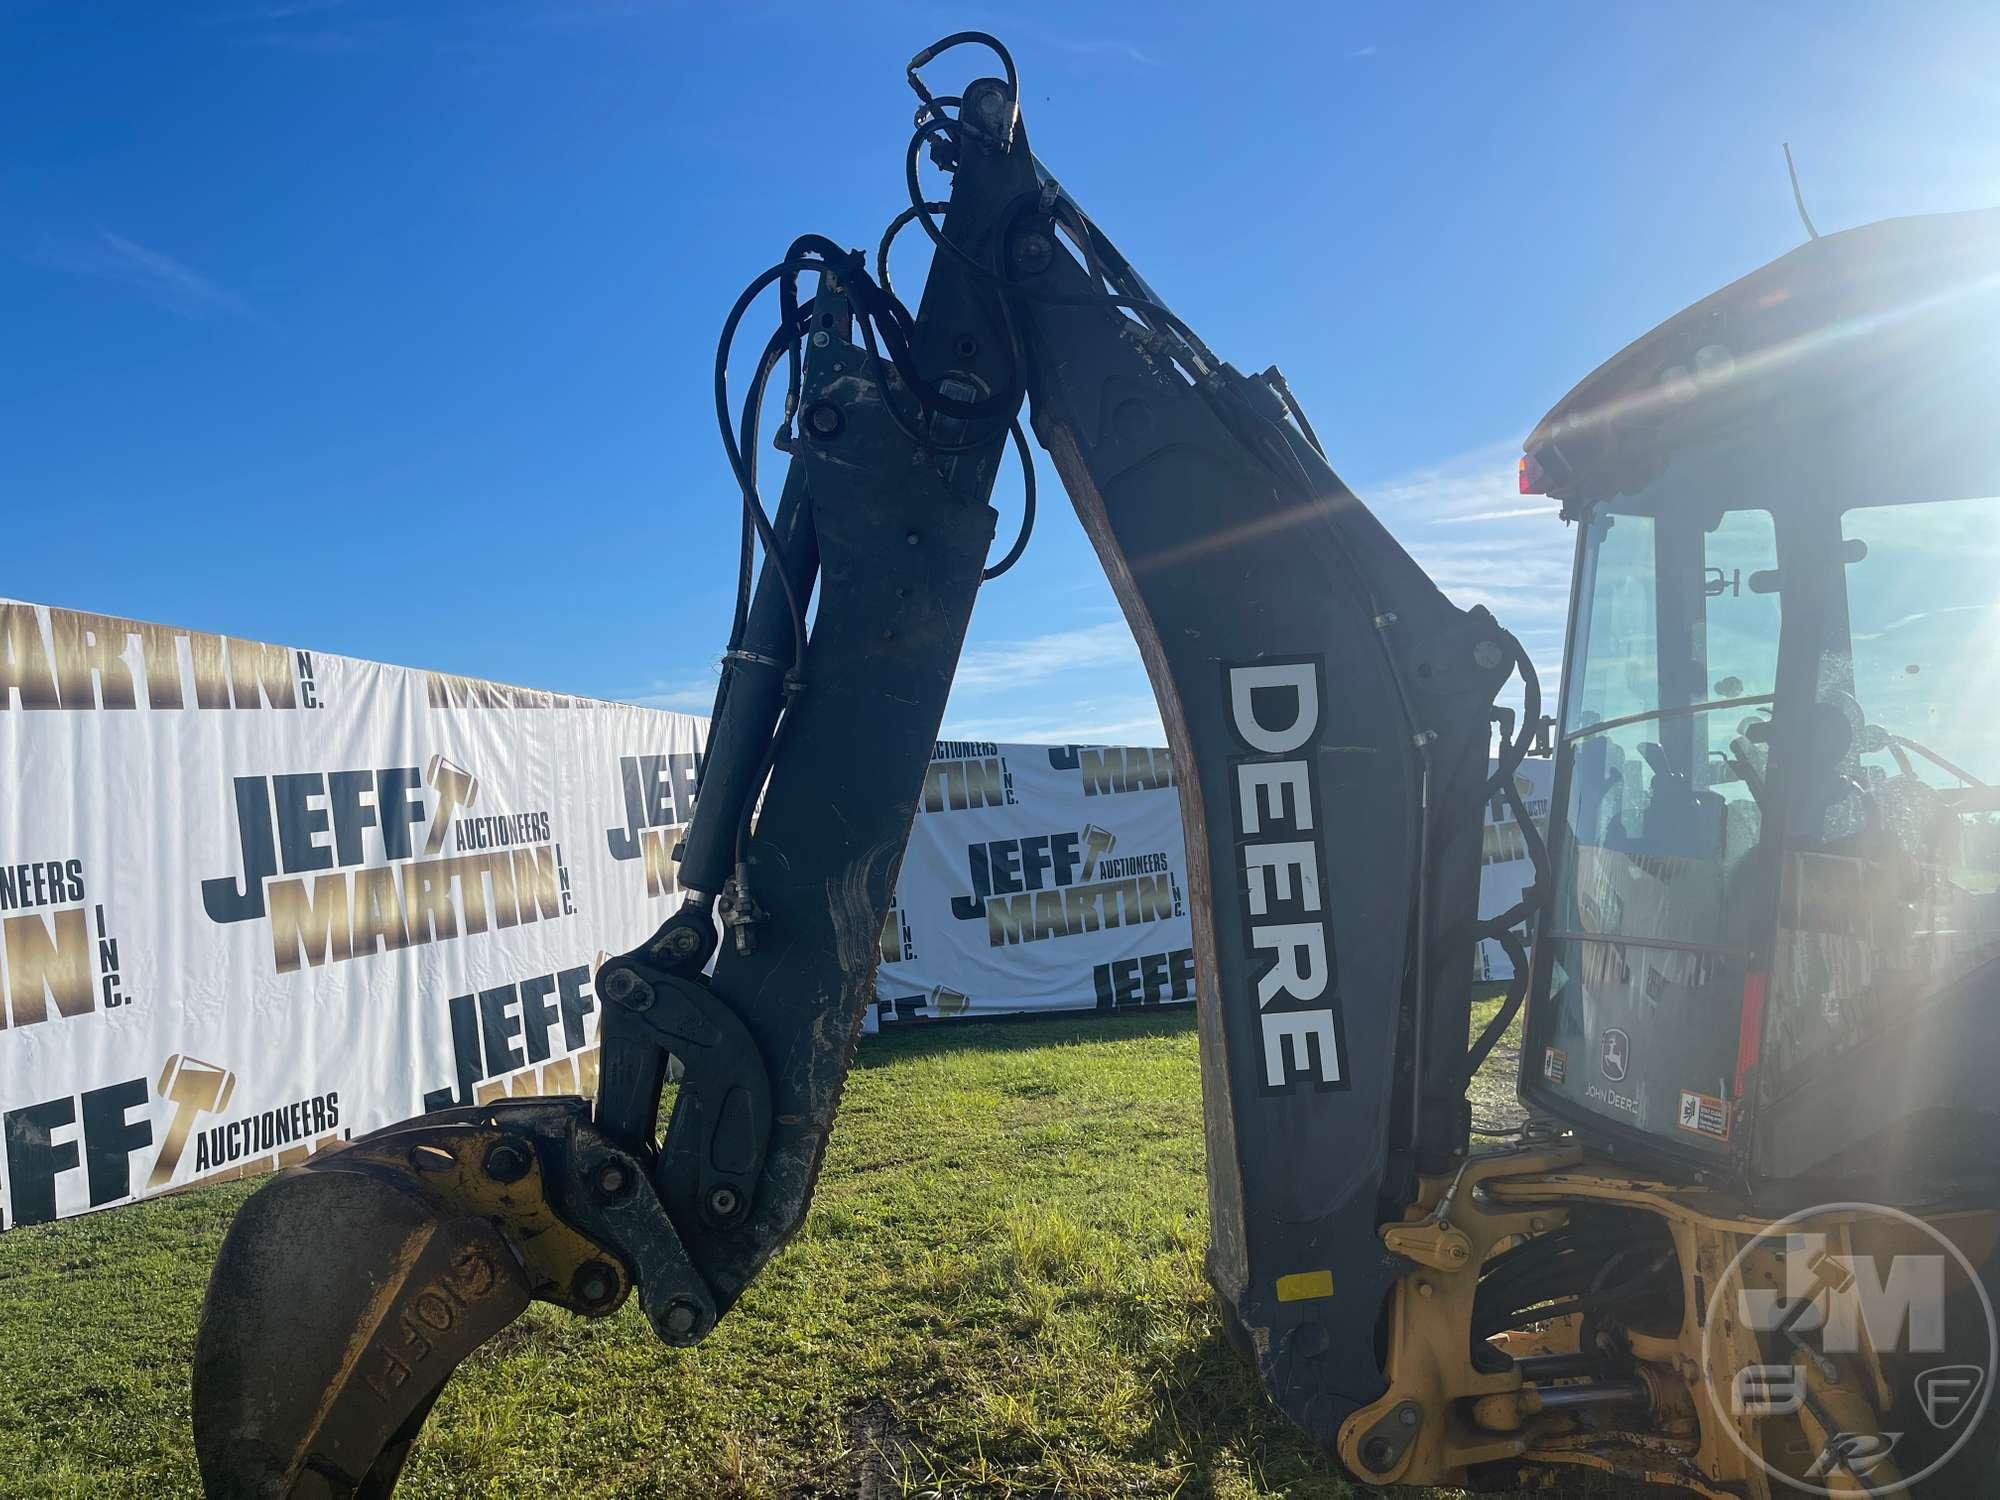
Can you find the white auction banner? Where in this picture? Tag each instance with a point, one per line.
(1039, 878)
(255, 898)
(1049, 878)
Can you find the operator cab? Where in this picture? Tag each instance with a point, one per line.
(1772, 947)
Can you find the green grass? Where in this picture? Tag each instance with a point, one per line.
(1494, 1103)
(998, 1292)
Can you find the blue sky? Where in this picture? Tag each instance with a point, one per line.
(386, 328)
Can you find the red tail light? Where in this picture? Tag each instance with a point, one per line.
(1532, 480)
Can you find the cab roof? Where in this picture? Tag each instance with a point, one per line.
(1832, 318)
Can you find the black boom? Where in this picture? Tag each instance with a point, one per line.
(1328, 711)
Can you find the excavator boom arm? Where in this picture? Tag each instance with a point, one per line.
(1328, 711)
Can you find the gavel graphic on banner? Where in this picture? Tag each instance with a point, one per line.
(195, 1088)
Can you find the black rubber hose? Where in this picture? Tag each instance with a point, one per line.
(975, 39)
(896, 227)
(1538, 849)
(1027, 506)
(836, 262)
(1513, 752)
(1517, 992)
(917, 439)
(781, 339)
